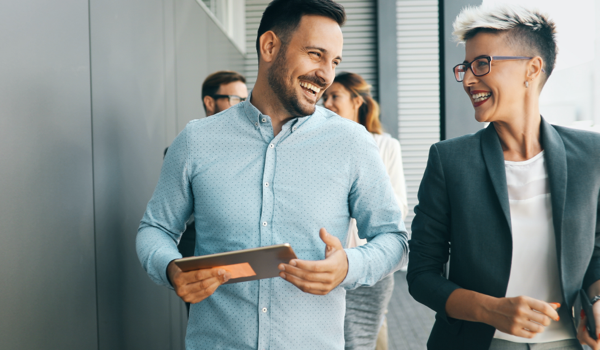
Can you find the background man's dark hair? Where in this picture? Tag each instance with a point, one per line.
(283, 16)
(213, 82)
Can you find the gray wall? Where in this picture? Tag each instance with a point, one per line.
(387, 65)
(90, 97)
(47, 262)
(457, 110)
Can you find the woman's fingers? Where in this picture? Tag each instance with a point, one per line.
(540, 318)
(544, 308)
(582, 333)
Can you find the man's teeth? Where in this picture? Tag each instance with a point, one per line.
(310, 86)
(481, 96)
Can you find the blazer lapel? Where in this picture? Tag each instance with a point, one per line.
(556, 164)
(494, 161)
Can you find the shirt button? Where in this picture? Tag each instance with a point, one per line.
(266, 184)
(264, 223)
(271, 145)
(264, 309)
(294, 128)
(264, 120)
(255, 124)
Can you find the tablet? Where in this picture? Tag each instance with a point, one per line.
(244, 265)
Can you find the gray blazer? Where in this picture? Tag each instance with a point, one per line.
(463, 206)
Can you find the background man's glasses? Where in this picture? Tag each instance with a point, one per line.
(482, 65)
(233, 99)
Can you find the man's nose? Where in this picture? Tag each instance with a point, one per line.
(326, 73)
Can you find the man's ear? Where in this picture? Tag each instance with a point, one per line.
(269, 44)
(209, 102)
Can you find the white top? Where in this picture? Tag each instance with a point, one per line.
(389, 150)
(534, 267)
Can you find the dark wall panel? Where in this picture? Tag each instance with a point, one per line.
(47, 293)
(459, 113)
(129, 113)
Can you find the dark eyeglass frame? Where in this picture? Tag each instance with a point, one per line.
(490, 59)
(229, 97)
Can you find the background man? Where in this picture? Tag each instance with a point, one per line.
(272, 170)
(222, 90)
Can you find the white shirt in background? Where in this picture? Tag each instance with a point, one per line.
(534, 268)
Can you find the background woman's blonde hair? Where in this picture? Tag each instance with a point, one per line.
(368, 112)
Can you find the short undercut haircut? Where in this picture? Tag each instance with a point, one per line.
(213, 82)
(283, 17)
(529, 30)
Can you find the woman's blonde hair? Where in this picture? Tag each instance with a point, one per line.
(368, 112)
(531, 31)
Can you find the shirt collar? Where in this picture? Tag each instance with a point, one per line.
(255, 116)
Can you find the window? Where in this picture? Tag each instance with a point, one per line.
(230, 15)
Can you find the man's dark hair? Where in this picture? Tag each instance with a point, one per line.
(283, 16)
(213, 82)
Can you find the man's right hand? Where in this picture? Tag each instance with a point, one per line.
(195, 286)
(521, 316)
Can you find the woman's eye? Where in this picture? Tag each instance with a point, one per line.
(482, 63)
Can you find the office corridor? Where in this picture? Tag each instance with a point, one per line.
(409, 322)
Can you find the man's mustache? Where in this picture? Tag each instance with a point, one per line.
(313, 79)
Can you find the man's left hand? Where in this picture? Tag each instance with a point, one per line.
(322, 276)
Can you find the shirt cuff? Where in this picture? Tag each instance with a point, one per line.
(354, 270)
(161, 261)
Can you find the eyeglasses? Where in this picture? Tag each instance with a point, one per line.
(482, 65)
(233, 99)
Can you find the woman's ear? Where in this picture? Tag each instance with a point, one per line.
(357, 102)
(534, 68)
(269, 44)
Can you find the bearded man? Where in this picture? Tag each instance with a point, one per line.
(276, 169)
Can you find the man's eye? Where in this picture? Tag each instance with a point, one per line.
(336, 63)
(317, 54)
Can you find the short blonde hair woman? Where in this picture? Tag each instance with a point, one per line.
(517, 202)
(350, 97)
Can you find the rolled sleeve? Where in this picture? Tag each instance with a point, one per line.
(373, 204)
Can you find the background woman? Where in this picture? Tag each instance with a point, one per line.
(516, 202)
(350, 97)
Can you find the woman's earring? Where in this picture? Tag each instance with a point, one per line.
(526, 84)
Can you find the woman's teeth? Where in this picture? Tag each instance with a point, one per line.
(311, 87)
(481, 96)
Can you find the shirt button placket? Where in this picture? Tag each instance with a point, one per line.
(266, 238)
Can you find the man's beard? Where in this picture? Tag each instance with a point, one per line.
(286, 92)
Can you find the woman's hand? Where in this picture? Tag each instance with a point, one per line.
(521, 316)
(582, 334)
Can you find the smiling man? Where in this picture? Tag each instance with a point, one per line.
(276, 169)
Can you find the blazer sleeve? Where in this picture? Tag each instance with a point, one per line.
(430, 243)
(593, 272)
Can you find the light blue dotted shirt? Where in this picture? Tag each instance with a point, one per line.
(249, 189)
